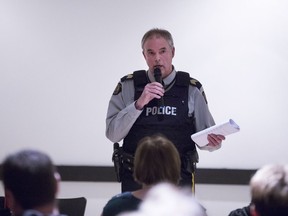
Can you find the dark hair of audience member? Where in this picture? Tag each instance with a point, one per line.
(30, 176)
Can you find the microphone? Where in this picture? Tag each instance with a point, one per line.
(158, 78)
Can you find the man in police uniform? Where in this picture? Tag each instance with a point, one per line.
(134, 110)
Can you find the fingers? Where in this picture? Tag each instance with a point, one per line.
(215, 139)
(154, 89)
(151, 91)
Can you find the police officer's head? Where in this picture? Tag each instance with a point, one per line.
(158, 50)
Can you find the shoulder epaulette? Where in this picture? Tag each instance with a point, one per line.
(118, 88)
(196, 83)
(127, 77)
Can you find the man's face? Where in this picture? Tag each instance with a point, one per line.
(158, 53)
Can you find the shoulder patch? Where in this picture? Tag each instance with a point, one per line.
(118, 89)
(127, 77)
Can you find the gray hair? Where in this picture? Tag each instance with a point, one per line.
(269, 190)
(158, 33)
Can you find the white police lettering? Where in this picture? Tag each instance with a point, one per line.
(166, 110)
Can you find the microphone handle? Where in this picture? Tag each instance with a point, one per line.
(161, 102)
(158, 78)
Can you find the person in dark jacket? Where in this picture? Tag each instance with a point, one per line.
(269, 192)
(30, 183)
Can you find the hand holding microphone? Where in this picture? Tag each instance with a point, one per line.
(151, 91)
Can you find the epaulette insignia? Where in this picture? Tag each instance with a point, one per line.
(118, 89)
(193, 82)
(127, 77)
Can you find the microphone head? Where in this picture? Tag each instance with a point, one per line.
(158, 74)
(116, 146)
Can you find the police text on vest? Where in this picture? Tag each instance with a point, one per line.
(166, 110)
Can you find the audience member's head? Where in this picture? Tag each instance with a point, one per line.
(30, 182)
(166, 199)
(156, 160)
(269, 191)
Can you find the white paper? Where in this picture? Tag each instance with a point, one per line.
(226, 128)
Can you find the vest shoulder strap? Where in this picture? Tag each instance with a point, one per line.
(140, 81)
(140, 78)
(191, 81)
(184, 77)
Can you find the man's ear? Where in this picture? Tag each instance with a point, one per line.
(58, 180)
(253, 211)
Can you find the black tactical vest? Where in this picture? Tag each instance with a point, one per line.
(176, 125)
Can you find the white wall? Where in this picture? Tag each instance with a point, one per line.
(60, 61)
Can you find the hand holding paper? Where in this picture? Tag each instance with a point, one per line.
(224, 129)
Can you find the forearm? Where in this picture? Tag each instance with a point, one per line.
(203, 120)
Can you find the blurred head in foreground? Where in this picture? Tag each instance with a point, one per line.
(30, 182)
(269, 191)
(166, 199)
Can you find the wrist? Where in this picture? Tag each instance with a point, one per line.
(137, 105)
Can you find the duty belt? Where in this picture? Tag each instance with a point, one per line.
(122, 160)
